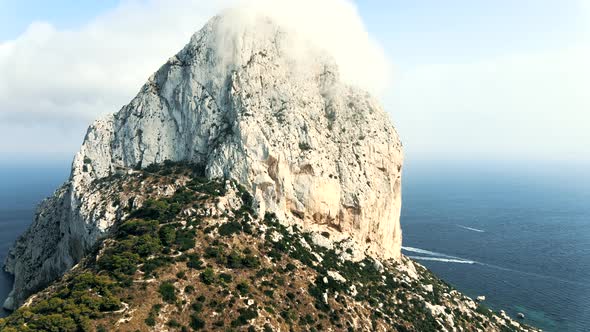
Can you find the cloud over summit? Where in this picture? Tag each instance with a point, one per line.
(54, 82)
(59, 75)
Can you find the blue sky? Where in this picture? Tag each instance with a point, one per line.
(411, 31)
(462, 30)
(16, 16)
(472, 80)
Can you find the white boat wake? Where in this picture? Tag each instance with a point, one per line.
(471, 229)
(426, 255)
(447, 260)
(436, 256)
(426, 252)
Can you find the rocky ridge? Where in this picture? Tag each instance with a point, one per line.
(253, 103)
(189, 253)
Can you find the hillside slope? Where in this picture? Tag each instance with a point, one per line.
(189, 253)
(238, 101)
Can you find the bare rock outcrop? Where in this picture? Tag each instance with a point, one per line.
(256, 104)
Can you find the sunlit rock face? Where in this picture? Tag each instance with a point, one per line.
(247, 100)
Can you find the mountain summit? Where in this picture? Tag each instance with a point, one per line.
(247, 100)
(246, 187)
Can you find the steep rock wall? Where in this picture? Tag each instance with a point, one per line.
(255, 104)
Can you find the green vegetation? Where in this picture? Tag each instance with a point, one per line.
(138, 227)
(185, 239)
(194, 262)
(304, 146)
(70, 308)
(214, 260)
(168, 292)
(197, 323)
(243, 288)
(229, 228)
(151, 320)
(189, 289)
(140, 243)
(226, 278)
(208, 276)
(246, 314)
(167, 234)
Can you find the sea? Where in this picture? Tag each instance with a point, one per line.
(518, 234)
(22, 187)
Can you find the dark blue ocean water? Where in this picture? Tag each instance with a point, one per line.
(516, 234)
(519, 237)
(22, 187)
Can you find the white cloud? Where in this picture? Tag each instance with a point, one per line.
(53, 83)
(47, 74)
(66, 78)
(335, 26)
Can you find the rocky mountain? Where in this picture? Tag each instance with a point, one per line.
(246, 186)
(189, 253)
(255, 104)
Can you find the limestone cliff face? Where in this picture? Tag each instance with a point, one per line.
(255, 104)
